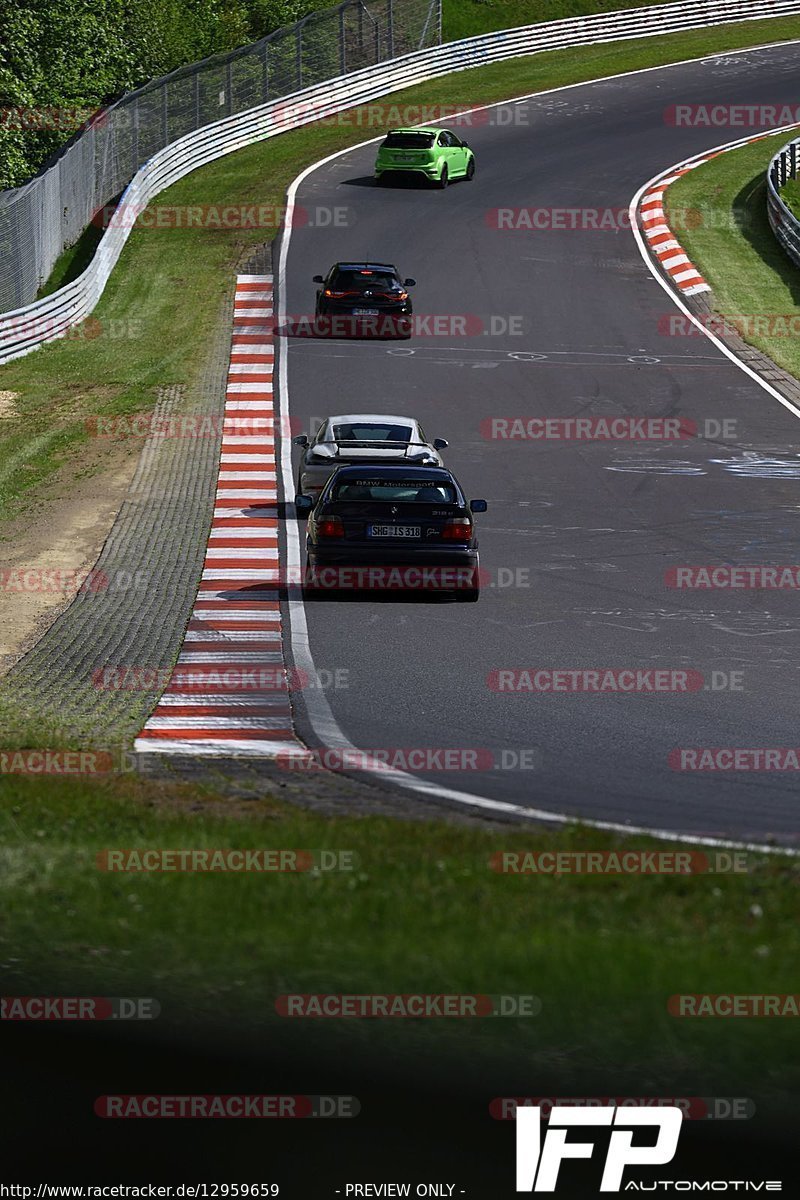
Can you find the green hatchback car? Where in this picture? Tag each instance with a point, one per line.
(438, 154)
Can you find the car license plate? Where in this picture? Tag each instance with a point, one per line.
(395, 531)
(365, 312)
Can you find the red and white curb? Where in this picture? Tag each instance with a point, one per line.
(228, 693)
(661, 239)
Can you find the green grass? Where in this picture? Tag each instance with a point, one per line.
(421, 912)
(733, 246)
(73, 261)
(790, 193)
(466, 18)
(143, 333)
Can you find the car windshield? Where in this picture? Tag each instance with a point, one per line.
(408, 141)
(389, 491)
(372, 433)
(359, 281)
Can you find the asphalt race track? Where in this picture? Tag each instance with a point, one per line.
(590, 526)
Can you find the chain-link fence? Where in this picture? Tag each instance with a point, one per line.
(39, 220)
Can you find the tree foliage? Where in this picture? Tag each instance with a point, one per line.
(60, 62)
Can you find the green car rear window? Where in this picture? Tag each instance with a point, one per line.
(408, 141)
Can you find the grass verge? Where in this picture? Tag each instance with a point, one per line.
(467, 18)
(790, 192)
(731, 243)
(144, 334)
(421, 911)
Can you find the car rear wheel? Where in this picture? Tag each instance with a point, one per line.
(443, 178)
(470, 169)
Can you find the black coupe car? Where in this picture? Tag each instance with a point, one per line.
(392, 528)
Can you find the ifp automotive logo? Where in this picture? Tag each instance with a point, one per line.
(539, 1160)
(538, 1164)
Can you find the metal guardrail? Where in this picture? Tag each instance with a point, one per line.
(28, 327)
(785, 225)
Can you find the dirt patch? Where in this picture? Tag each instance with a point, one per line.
(7, 408)
(46, 552)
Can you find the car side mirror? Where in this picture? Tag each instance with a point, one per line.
(409, 282)
(440, 443)
(300, 440)
(303, 505)
(478, 505)
(318, 279)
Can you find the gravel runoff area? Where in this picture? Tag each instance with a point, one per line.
(133, 609)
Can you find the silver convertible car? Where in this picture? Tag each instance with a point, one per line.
(367, 438)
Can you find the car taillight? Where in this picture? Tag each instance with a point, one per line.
(330, 527)
(458, 529)
(337, 295)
